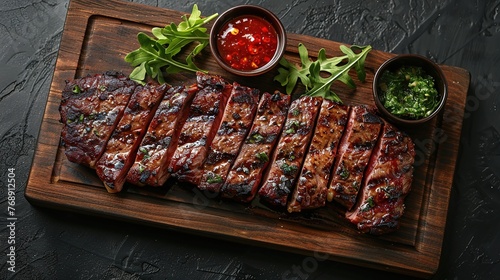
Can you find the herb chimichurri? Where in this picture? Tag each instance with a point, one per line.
(409, 92)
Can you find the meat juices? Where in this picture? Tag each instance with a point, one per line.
(312, 185)
(236, 122)
(354, 152)
(196, 136)
(245, 175)
(290, 151)
(160, 141)
(90, 110)
(387, 182)
(121, 148)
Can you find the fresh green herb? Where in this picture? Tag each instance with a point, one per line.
(143, 150)
(96, 133)
(292, 127)
(295, 112)
(409, 92)
(344, 173)
(214, 179)
(255, 138)
(288, 169)
(102, 88)
(157, 54)
(310, 71)
(262, 157)
(81, 118)
(76, 89)
(369, 204)
(141, 168)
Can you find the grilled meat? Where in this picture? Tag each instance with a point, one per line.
(121, 148)
(387, 182)
(200, 128)
(144, 134)
(245, 175)
(354, 152)
(236, 122)
(160, 141)
(313, 181)
(90, 110)
(290, 151)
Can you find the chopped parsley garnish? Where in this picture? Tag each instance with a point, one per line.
(369, 204)
(214, 179)
(288, 169)
(344, 173)
(262, 157)
(76, 89)
(256, 138)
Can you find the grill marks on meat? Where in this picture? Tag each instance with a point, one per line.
(160, 141)
(312, 185)
(121, 148)
(144, 134)
(200, 128)
(387, 182)
(90, 110)
(354, 152)
(290, 151)
(245, 175)
(236, 122)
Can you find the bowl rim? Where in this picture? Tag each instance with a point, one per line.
(439, 79)
(241, 10)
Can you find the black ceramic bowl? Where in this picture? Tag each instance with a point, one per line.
(429, 67)
(255, 11)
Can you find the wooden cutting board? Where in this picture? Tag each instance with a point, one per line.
(97, 36)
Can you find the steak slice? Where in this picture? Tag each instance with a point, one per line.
(196, 136)
(313, 181)
(290, 151)
(387, 182)
(236, 122)
(90, 109)
(159, 143)
(122, 147)
(360, 136)
(245, 175)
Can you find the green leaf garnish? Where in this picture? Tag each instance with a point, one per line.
(309, 72)
(262, 157)
(76, 89)
(215, 179)
(156, 54)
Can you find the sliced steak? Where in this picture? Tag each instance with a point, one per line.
(246, 173)
(388, 181)
(121, 148)
(159, 143)
(312, 186)
(354, 152)
(289, 155)
(236, 122)
(196, 136)
(90, 110)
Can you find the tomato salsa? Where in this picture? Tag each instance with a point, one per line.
(247, 42)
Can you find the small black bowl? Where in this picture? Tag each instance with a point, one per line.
(429, 67)
(248, 10)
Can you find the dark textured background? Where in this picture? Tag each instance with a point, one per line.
(58, 245)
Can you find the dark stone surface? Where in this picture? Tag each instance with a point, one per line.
(58, 245)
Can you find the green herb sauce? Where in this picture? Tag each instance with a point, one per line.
(409, 92)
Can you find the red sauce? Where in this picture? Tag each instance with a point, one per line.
(247, 42)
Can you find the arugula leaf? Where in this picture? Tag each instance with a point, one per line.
(309, 72)
(156, 55)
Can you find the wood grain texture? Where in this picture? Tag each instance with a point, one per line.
(98, 35)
